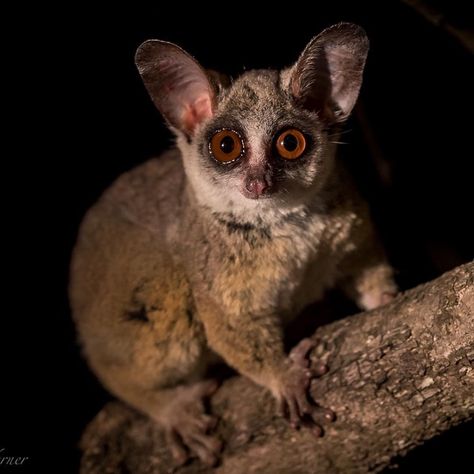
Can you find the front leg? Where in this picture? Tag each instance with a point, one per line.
(253, 345)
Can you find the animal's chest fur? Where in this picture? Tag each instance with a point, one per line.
(282, 269)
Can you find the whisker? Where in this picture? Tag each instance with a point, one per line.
(338, 134)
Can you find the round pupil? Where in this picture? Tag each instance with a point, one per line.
(227, 144)
(290, 142)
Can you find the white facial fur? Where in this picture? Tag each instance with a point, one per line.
(313, 96)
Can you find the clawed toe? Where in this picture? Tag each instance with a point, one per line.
(329, 415)
(176, 446)
(299, 353)
(316, 431)
(205, 447)
(320, 415)
(203, 423)
(319, 369)
(187, 441)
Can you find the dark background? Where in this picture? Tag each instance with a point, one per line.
(409, 147)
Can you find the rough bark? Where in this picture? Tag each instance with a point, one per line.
(399, 375)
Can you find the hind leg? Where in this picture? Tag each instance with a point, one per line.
(178, 407)
(134, 312)
(155, 358)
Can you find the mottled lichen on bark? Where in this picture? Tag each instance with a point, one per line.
(399, 375)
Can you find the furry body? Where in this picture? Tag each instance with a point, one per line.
(176, 267)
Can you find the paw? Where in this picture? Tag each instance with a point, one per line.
(372, 300)
(188, 428)
(191, 438)
(293, 397)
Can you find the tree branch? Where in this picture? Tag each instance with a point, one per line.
(399, 376)
(436, 16)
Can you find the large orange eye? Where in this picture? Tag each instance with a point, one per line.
(290, 144)
(226, 146)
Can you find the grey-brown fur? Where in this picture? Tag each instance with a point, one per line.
(176, 268)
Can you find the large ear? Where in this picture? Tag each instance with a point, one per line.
(328, 74)
(177, 84)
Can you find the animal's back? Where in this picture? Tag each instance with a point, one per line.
(123, 266)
